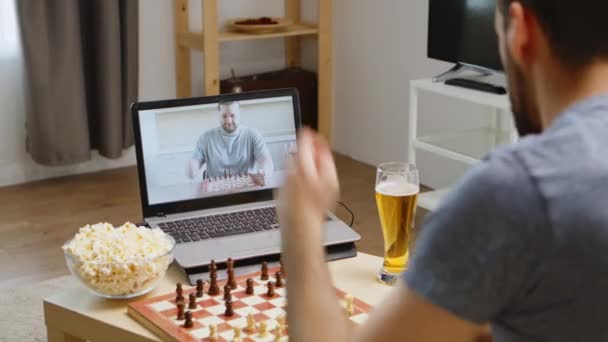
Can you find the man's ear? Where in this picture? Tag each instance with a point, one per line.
(519, 35)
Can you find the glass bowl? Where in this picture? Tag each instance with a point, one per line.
(121, 280)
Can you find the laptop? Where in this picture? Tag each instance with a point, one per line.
(208, 167)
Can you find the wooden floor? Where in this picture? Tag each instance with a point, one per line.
(37, 218)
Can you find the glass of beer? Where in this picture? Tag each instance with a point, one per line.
(397, 189)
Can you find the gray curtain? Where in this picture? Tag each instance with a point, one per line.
(81, 59)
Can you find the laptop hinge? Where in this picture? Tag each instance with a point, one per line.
(161, 215)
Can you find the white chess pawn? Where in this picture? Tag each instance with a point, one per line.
(237, 334)
(213, 332)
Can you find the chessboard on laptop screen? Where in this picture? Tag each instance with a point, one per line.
(216, 149)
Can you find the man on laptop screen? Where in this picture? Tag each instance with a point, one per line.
(230, 150)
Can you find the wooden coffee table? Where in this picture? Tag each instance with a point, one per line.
(78, 315)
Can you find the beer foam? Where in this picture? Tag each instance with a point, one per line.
(397, 188)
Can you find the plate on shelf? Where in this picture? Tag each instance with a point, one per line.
(259, 25)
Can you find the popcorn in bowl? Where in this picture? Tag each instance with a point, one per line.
(121, 262)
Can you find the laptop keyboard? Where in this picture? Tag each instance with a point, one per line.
(217, 226)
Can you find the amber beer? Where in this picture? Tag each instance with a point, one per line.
(396, 196)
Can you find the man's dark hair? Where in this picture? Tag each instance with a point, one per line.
(577, 29)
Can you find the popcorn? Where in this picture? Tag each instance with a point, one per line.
(119, 261)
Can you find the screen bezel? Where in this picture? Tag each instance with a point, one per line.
(162, 209)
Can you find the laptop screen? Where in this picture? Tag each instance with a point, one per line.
(216, 149)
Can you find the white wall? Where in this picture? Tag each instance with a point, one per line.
(157, 79)
(379, 46)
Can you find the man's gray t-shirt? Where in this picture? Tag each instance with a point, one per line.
(522, 241)
(229, 153)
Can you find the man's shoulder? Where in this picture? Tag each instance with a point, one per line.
(500, 182)
(502, 168)
(209, 134)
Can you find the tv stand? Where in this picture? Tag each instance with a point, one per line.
(461, 67)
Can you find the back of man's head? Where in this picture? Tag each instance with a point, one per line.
(577, 29)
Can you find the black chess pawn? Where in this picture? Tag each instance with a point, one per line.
(279, 279)
(180, 311)
(229, 311)
(188, 323)
(199, 288)
(270, 292)
(192, 301)
(249, 289)
(264, 275)
(227, 292)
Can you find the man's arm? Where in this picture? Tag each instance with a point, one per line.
(313, 311)
(197, 160)
(193, 168)
(263, 159)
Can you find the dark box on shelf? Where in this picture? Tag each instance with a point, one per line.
(303, 80)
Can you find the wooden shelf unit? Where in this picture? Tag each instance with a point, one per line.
(210, 39)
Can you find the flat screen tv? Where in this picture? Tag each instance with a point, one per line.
(462, 32)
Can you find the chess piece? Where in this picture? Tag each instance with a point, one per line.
(212, 267)
(214, 289)
(277, 334)
(279, 279)
(229, 312)
(192, 301)
(350, 308)
(264, 275)
(249, 289)
(237, 335)
(229, 264)
(281, 320)
(270, 292)
(227, 292)
(179, 293)
(213, 332)
(180, 311)
(231, 280)
(199, 288)
(262, 329)
(188, 323)
(250, 328)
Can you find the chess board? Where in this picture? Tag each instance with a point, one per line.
(229, 183)
(159, 314)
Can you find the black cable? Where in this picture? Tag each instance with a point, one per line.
(352, 215)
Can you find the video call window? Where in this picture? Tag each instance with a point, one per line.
(216, 149)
